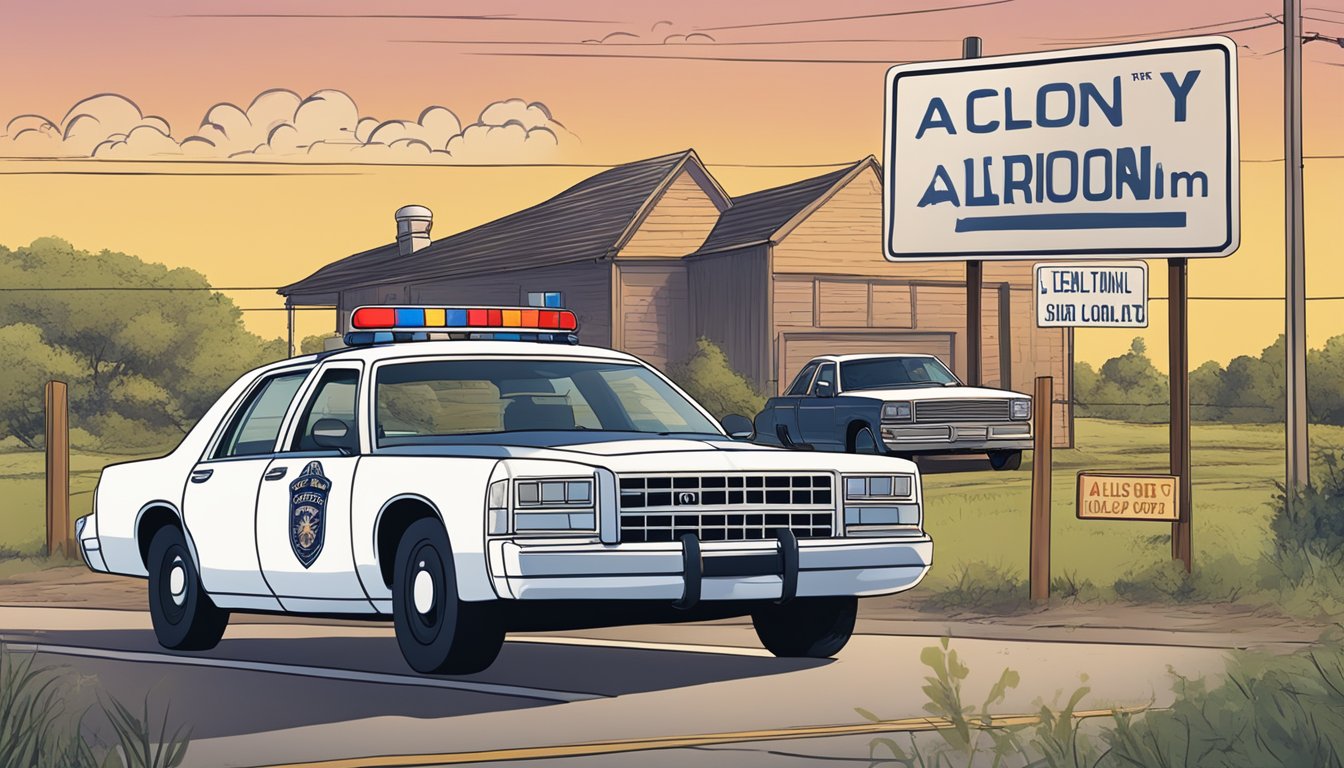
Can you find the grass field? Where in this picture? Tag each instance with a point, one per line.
(982, 517)
(975, 517)
(23, 494)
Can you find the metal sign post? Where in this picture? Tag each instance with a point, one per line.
(1178, 341)
(975, 279)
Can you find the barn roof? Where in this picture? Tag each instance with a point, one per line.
(765, 216)
(588, 221)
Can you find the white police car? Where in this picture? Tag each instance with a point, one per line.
(486, 479)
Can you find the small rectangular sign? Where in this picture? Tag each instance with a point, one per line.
(1108, 496)
(1092, 295)
(1123, 151)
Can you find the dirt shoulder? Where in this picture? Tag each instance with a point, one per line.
(1222, 625)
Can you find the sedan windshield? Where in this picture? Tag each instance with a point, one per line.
(895, 372)
(424, 402)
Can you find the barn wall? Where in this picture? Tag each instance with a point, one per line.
(652, 303)
(730, 306)
(677, 224)
(585, 288)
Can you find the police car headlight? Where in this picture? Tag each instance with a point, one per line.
(1021, 410)
(881, 505)
(554, 505)
(897, 411)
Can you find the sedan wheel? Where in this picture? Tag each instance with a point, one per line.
(437, 632)
(1005, 461)
(184, 616)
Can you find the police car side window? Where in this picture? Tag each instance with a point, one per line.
(334, 398)
(256, 426)
(799, 386)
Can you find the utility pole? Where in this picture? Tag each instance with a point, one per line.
(1295, 326)
(975, 277)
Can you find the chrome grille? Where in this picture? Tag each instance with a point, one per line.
(726, 507)
(961, 410)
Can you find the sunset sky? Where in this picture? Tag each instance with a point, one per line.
(258, 141)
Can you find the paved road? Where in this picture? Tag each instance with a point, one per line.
(280, 692)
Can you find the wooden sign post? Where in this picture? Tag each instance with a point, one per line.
(58, 469)
(1042, 462)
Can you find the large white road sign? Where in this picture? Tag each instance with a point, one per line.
(1127, 150)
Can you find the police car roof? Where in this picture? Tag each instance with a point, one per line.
(467, 348)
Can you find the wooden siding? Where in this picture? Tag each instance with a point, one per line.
(730, 305)
(677, 224)
(584, 288)
(652, 304)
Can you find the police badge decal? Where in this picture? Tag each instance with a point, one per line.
(307, 512)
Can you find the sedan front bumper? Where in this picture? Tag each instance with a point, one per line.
(714, 571)
(957, 438)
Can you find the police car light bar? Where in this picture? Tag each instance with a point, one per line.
(371, 325)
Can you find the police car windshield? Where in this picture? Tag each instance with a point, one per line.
(895, 373)
(430, 402)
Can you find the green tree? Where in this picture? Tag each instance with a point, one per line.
(315, 343)
(29, 364)
(710, 379)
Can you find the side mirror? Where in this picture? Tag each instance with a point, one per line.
(825, 389)
(737, 427)
(333, 434)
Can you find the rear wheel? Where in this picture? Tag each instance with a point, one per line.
(437, 632)
(810, 627)
(1005, 461)
(184, 616)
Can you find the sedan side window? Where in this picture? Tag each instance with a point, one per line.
(256, 426)
(827, 374)
(334, 398)
(804, 378)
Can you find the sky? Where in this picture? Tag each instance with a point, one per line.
(256, 142)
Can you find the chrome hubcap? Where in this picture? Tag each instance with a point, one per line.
(177, 582)
(422, 591)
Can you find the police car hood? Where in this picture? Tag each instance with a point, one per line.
(622, 453)
(934, 393)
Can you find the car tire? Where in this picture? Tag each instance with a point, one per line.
(1005, 461)
(438, 633)
(810, 627)
(183, 615)
(864, 442)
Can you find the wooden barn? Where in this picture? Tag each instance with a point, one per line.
(654, 254)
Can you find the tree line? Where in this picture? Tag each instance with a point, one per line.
(1249, 389)
(142, 365)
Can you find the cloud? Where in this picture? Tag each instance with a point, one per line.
(653, 37)
(280, 124)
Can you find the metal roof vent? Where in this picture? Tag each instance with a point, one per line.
(413, 225)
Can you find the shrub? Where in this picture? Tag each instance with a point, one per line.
(1167, 582)
(708, 377)
(981, 588)
(1271, 711)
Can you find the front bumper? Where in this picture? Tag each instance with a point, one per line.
(92, 552)
(715, 571)
(957, 438)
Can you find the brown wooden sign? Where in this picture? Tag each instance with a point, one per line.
(1108, 496)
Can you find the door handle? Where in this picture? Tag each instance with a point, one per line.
(201, 475)
(275, 473)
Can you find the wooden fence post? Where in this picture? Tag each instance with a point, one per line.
(59, 532)
(1041, 466)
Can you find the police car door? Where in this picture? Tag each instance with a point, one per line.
(220, 494)
(303, 509)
